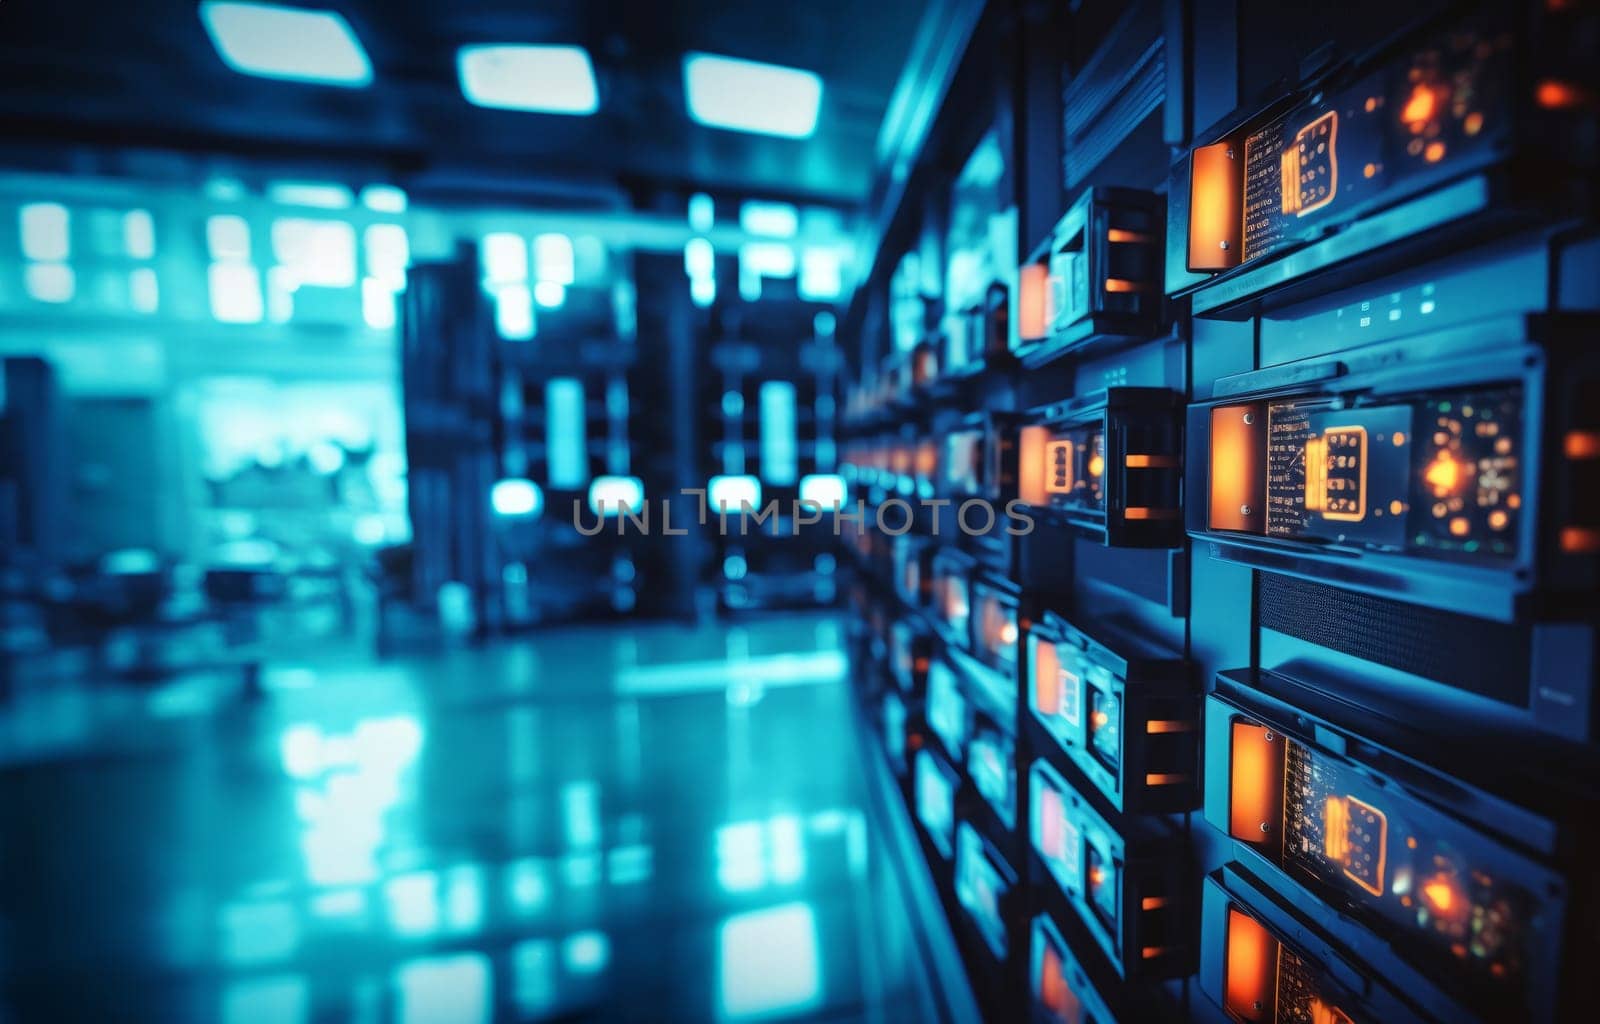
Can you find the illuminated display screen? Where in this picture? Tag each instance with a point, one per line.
(1075, 848)
(935, 785)
(1445, 99)
(1433, 473)
(980, 887)
(1059, 983)
(963, 462)
(997, 624)
(989, 764)
(947, 710)
(894, 729)
(1340, 831)
(1075, 468)
(1268, 982)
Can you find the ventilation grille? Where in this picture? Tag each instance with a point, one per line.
(1487, 658)
(1122, 85)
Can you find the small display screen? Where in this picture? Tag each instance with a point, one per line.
(1434, 473)
(1445, 99)
(1075, 468)
(1345, 832)
(1105, 726)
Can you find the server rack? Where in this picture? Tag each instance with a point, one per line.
(1299, 654)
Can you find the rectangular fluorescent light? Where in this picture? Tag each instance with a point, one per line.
(287, 42)
(779, 452)
(730, 494)
(826, 489)
(774, 220)
(325, 195)
(613, 495)
(747, 96)
(545, 79)
(515, 497)
(566, 433)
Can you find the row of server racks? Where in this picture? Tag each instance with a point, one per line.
(1224, 597)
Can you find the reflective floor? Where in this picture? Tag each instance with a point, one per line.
(642, 822)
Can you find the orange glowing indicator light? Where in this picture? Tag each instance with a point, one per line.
(1473, 123)
(1097, 877)
(1582, 444)
(1118, 284)
(1369, 170)
(1443, 475)
(1336, 830)
(1460, 526)
(1008, 632)
(1578, 540)
(1434, 153)
(1498, 520)
(1121, 235)
(1099, 719)
(1553, 94)
(1419, 108)
(1097, 465)
(1440, 895)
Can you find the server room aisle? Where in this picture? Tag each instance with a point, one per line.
(641, 822)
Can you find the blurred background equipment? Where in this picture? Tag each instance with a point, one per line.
(914, 511)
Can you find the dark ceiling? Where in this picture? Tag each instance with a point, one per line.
(144, 75)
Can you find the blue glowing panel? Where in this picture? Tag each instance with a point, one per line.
(513, 312)
(554, 258)
(139, 234)
(284, 998)
(586, 952)
(935, 797)
(517, 498)
(549, 294)
(545, 79)
(779, 454)
(702, 212)
(287, 42)
(50, 282)
(747, 96)
(384, 198)
(947, 709)
(316, 252)
(768, 964)
(46, 232)
(730, 494)
(388, 253)
(445, 988)
(614, 495)
(566, 438)
(505, 258)
(980, 887)
(774, 220)
(825, 489)
(235, 293)
(323, 195)
(821, 275)
(228, 238)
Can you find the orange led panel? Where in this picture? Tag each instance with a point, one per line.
(1256, 783)
(1251, 963)
(1238, 467)
(1033, 291)
(1046, 678)
(1031, 465)
(1216, 224)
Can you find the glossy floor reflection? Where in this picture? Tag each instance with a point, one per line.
(645, 823)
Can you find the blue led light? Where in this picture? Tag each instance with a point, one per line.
(517, 498)
(546, 79)
(45, 231)
(287, 42)
(747, 96)
(774, 220)
(768, 963)
(729, 494)
(613, 495)
(566, 433)
(826, 489)
(779, 454)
